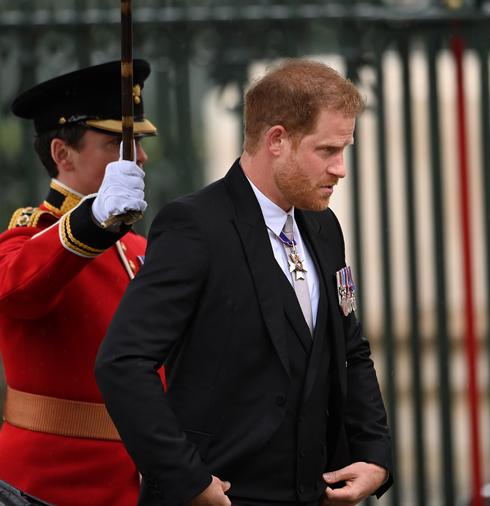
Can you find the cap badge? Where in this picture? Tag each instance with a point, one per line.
(137, 94)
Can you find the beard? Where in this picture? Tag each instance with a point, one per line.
(298, 189)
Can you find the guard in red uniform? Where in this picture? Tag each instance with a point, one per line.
(62, 275)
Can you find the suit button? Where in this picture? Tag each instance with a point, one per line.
(302, 454)
(280, 400)
(301, 488)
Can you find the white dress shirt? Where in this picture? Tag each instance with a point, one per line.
(275, 218)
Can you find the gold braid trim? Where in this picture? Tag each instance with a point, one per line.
(74, 244)
(69, 203)
(18, 219)
(71, 200)
(26, 217)
(52, 208)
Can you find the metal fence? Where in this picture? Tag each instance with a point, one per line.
(414, 207)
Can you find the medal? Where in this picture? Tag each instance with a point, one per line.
(346, 290)
(351, 290)
(295, 264)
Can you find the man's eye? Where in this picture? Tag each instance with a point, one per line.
(332, 150)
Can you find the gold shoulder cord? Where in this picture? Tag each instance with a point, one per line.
(26, 217)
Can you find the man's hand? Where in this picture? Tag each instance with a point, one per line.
(122, 190)
(361, 480)
(214, 495)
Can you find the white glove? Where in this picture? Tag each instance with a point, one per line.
(122, 190)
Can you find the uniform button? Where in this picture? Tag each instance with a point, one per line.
(280, 400)
(124, 247)
(132, 265)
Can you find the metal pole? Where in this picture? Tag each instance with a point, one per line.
(127, 108)
(470, 334)
(389, 339)
(439, 274)
(485, 176)
(414, 332)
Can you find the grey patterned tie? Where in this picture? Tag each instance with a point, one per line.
(300, 284)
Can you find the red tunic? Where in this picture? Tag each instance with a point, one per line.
(58, 292)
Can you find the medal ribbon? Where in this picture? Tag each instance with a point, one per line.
(285, 240)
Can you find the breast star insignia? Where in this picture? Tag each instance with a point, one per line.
(296, 265)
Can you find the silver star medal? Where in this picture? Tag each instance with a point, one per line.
(296, 265)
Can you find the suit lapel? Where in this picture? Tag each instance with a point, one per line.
(328, 314)
(252, 231)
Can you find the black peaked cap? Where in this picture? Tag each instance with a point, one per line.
(90, 95)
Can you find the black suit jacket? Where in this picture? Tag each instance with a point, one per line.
(207, 305)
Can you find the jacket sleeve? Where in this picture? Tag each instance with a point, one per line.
(365, 420)
(365, 417)
(36, 264)
(150, 324)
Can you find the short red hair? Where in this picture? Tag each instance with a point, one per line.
(293, 94)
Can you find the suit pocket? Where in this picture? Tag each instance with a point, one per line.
(200, 439)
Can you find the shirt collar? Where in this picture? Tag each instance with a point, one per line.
(274, 216)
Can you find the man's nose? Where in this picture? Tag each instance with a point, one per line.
(337, 166)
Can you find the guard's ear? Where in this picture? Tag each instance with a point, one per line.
(61, 153)
(276, 138)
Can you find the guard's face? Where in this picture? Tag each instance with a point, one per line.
(89, 161)
(307, 173)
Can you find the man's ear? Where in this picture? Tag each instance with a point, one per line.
(276, 138)
(62, 155)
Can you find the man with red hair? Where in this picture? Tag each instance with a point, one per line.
(246, 298)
